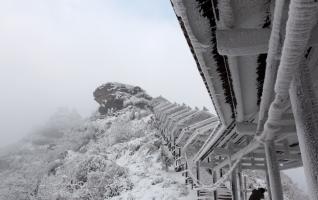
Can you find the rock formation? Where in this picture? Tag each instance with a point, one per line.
(115, 96)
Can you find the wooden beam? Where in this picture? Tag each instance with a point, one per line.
(243, 42)
(252, 162)
(220, 151)
(246, 128)
(225, 161)
(253, 167)
(287, 126)
(291, 165)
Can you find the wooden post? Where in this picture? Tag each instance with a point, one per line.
(198, 176)
(240, 181)
(267, 183)
(214, 175)
(234, 175)
(198, 171)
(305, 110)
(221, 173)
(273, 171)
(245, 188)
(186, 173)
(234, 185)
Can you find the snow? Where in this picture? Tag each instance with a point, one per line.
(150, 181)
(116, 85)
(145, 171)
(114, 157)
(127, 149)
(199, 32)
(194, 141)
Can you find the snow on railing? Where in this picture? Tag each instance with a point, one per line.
(302, 18)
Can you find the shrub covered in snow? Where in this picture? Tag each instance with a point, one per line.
(123, 131)
(102, 178)
(90, 177)
(165, 157)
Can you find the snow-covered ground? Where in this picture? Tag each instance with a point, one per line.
(116, 156)
(150, 180)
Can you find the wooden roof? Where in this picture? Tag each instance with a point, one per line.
(229, 43)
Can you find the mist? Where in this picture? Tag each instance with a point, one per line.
(55, 53)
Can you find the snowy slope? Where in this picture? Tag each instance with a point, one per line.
(118, 158)
(114, 156)
(137, 153)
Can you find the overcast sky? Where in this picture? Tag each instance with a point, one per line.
(55, 53)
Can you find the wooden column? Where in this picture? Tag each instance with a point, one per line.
(198, 170)
(273, 171)
(234, 185)
(198, 176)
(186, 173)
(240, 181)
(267, 183)
(234, 175)
(245, 187)
(304, 106)
(215, 177)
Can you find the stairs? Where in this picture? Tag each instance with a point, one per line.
(223, 193)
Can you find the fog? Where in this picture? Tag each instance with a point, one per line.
(55, 53)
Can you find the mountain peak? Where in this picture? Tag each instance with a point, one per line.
(113, 96)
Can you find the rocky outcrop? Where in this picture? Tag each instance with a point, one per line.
(116, 96)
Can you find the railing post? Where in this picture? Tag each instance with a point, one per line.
(245, 187)
(240, 181)
(198, 171)
(273, 171)
(234, 185)
(198, 176)
(267, 183)
(215, 177)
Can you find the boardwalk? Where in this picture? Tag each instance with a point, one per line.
(258, 61)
